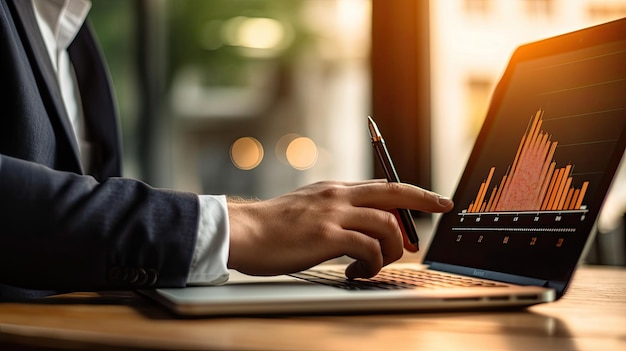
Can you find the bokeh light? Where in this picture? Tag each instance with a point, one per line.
(302, 153)
(259, 36)
(246, 153)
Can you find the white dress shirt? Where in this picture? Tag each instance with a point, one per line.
(59, 21)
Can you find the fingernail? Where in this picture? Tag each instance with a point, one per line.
(444, 201)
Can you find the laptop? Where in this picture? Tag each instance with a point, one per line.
(525, 206)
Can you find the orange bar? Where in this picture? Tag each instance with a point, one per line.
(555, 188)
(476, 203)
(568, 200)
(496, 201)
(542, 146)
(566, 189)
(562, 187)
(545, 168)
(510, 179)
(536, 132)
(491, 198)
(481, 194)
(583, 190)
(572, 205)
(545, 186)
(550, 173)
(535, 129)
(550, 190)
(558, 185)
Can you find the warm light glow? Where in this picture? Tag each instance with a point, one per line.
(255, 33)
(246, 153)
(470, 45)
(302, 153)
(352, 13)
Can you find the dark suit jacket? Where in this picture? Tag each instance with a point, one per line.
(59, 228)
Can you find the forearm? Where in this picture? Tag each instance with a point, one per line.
(66, 231)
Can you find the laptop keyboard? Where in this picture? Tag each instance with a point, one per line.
(392, 278)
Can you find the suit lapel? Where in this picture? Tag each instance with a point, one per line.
(98, 103)
(42, 67)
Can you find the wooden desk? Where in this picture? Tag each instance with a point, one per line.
(592, 316)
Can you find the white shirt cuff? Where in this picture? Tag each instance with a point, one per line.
(210, 258)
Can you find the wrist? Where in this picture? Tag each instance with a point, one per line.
(242, 231)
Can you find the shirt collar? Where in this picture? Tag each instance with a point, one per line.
(64, 18)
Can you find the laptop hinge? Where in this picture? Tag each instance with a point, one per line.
(485, 274)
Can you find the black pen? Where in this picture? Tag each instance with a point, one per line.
(392, 176)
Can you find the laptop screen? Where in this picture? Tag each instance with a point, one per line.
(552, 140)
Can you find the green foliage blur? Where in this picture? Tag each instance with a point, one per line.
(195, 29)
(191, 33)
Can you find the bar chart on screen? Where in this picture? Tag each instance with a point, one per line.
(541, 171)
(540, 191)
(533, 182)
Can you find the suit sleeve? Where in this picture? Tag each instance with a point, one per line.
(64, 231)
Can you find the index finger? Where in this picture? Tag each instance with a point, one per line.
(388, 196)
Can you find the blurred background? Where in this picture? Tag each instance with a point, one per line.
(257, 97)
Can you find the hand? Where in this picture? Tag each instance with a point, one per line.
(325, 220)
